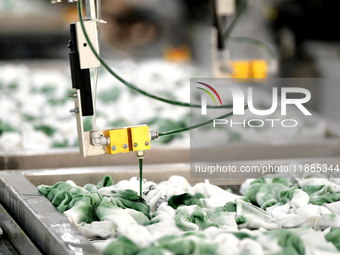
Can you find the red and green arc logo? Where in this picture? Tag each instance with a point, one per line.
(209, 93)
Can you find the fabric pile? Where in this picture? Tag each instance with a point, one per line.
(272, 216)
(34, 103)
(34, 107)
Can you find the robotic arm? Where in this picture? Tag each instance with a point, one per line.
(82, 59)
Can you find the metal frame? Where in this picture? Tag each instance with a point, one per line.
(90, 9)
(80, 126)
(44, 225)
(53, 234)
(15, 234)
(60, 158)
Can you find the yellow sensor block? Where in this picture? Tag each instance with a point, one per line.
(140, 139)
(250, 69)
(259, 69)
(241, 69)
(119, 141)
(123, 140)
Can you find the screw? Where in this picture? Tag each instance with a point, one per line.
(146, 143)
(73, 94)
(114, 147)
(135, 144)
(75, 110)
(125, 146)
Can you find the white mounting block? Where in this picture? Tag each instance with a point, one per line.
(86, 56)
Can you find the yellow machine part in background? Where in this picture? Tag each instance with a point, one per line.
(250, 69)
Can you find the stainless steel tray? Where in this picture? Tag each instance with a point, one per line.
(48, 229)
(15, 237)
(52, 233)
(60, 158)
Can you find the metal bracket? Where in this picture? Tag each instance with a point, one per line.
(90, 9)
(59, 1)
(86, 57)
(84, 138)
(79, 117)
(90, 149)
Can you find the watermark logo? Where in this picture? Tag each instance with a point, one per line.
(204, 99)
(240, 98)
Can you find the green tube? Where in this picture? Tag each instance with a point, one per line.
(256, 43)
(130, 85)
(238, 16)
(177, 131)
(140, 176)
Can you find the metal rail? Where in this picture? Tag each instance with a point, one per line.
(50, 231)
(15, 234)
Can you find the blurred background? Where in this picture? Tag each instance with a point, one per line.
(158, 45)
